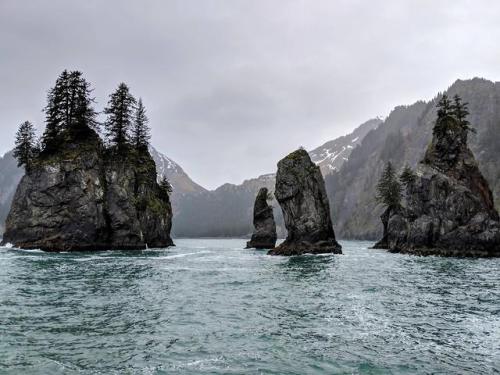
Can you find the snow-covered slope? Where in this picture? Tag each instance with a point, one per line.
(333, 154)
(180, 181)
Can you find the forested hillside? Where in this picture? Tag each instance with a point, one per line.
(402, 138)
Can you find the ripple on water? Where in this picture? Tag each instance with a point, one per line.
(209, 306)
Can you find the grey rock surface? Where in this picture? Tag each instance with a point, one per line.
(264, 236)
(82, 198)
(300, 191)
(450, 209)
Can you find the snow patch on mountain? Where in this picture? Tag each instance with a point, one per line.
(330, 156)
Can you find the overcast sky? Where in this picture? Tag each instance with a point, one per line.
(232, 86)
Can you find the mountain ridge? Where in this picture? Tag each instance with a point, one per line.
(350, 173)
(402, 139)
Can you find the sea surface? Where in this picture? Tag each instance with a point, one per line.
(210, 307)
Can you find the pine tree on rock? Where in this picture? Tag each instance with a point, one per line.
(389, 195)
(389, 188)
(141, 132)
(26, 145)
(460, 111)
(69, 111)
(120, 111)
(444, 106)
(445, 110)
(407, 177)
(165, 186)
(82, 115)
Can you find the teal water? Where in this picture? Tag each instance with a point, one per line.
(210, 307)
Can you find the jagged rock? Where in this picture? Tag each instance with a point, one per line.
(84, 198)
(384, 243)
(300, 191)
(449, 209)
(264, 236)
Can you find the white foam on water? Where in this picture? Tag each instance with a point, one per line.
(89, 259)
(184, 255)
(38, 251)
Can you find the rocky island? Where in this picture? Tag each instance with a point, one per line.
(449, 207)
(300, 191)
(264, 236)
(81, 193)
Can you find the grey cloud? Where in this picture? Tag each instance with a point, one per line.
(232, 86)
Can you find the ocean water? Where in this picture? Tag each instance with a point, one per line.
(211, 307)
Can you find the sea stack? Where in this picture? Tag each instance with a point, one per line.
(300, 191)
(83, 198)
(79, 194)
(450, 209)
(264, 236)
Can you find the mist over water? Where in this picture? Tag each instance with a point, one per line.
(208, 306)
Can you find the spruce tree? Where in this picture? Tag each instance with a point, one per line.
(444, 106)
(460, 112)
(26, 145)
(120, 112)
(445, 109)
(389, 195)
(389, 189)
(407, 177)
(69, 110)
(55, 113)
(82, 115)
(140, 133)
(165, 187)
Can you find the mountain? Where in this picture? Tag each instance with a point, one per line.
(351, 174)
(224, 212)
(10, 175)
(227, 210)
(330, 156)
(179, 179)
(402, 139)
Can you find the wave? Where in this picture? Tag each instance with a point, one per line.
(184, 254)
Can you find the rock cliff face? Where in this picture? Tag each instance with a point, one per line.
(402, 139)
(264, 236)
(84, 198)
(449, 209)
(300, 191)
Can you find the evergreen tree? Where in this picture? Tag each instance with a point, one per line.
(68, 111)
(120, 112)
(26, 145)
(54, 112)
(82, 115)
(389, 189)
(165, 186)
(389, 195)
(444, 110)
(460, 112)
(407, 177)
(444, 107)
(141, 133)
